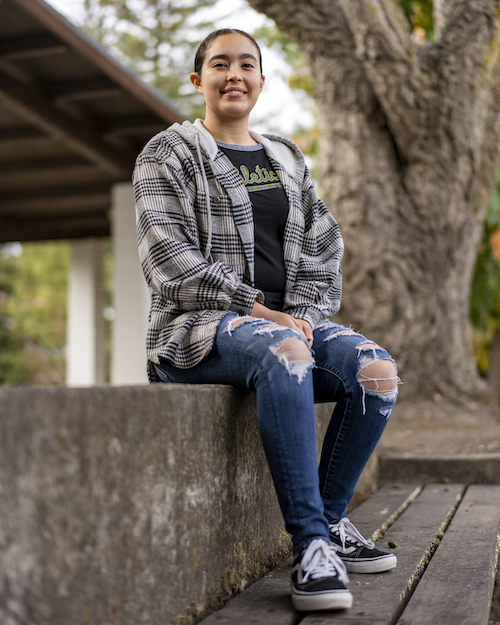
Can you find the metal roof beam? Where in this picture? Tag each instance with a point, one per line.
(34, 165)
(13, 180)
(82, 89)
(78, 136)
(52, 194)
(128, 126)
(14, 133)
(41, 44)
(66, 227)
(83, 44)
(30, 141)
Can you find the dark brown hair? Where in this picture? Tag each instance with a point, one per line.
(205, 44)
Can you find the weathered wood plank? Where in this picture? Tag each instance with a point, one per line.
(457, 586)
(264, 603)
(268, 601)
(384, 507)
(377, 597)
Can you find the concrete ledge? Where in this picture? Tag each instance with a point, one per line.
(132, 505)
(467, 469)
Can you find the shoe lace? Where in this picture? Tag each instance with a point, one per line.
(321, 560)
(347, 531)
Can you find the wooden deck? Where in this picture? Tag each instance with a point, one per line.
(447, 540)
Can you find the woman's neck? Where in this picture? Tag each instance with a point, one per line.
(235, 133)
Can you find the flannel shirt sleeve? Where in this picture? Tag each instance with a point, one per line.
(169, 234)
(317, 290)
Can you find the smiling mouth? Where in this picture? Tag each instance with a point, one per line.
(233, 92)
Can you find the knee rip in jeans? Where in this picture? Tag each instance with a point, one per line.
(293, 353)
(263, 326)
(295, 356)
(237, 322)
(378, 377)
(335, 335)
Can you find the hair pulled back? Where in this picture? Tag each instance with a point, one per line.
(205, 44)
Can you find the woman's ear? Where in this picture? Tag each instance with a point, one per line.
(262, 81)
(196, 80)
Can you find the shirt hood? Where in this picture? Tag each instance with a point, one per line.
(281, 150)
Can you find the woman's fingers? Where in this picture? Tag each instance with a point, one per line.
(306, 330)
(283, 319)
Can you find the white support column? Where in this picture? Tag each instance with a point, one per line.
(131, 297)
(85, 349)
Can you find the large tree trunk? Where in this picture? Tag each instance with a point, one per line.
(409, 145)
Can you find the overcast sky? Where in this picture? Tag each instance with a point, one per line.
(278, 109)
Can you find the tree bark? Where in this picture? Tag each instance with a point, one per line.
(409, 146)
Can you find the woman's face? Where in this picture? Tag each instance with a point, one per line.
(231, 79)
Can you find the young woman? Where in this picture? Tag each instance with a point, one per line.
(243, 263)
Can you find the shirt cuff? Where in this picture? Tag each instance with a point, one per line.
(244, 298)
(312, 315)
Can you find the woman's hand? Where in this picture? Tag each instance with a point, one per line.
(300, 325)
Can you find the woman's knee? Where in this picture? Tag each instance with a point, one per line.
(378, 375)
(372, 366)
(289, 351)
(294, 354)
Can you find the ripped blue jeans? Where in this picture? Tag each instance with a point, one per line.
(289, 377)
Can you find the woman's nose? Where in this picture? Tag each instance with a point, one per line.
(233, 73)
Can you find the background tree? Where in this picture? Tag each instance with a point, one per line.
(409, 143)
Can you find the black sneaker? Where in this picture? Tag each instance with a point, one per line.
(358, 554)
(319, 578)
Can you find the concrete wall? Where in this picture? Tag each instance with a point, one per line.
(132, 505)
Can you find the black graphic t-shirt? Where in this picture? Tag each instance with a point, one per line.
(270, 212)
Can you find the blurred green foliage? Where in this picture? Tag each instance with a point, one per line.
(485, 289)
(33, 292)
(485, 297)
(419, 15)
(298, 77)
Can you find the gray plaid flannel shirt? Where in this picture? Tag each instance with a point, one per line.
(196, 241)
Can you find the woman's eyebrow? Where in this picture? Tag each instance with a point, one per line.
(225, 57)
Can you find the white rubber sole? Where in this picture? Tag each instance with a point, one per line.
(372, 566)
(326, 600)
